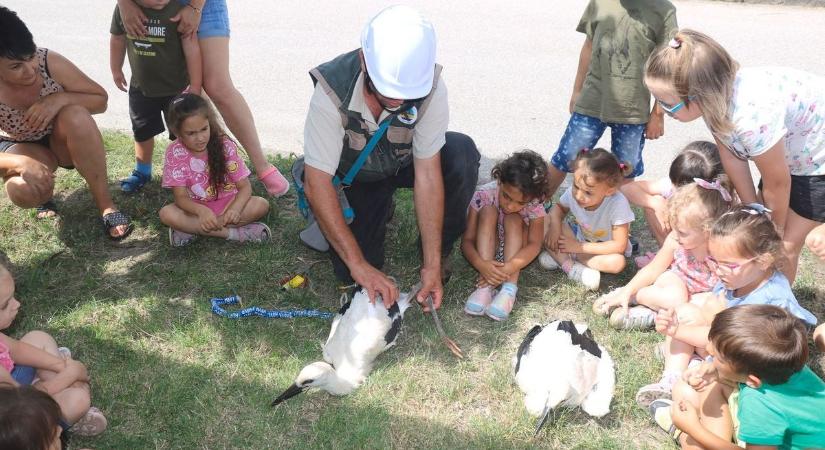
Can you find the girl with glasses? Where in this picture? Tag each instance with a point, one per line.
(770, 115)
(746, 253)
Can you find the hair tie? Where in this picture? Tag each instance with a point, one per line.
(756, 209)
(622, 165)
(675, 43)
(715, 186)
(585, 150)
(177, 99)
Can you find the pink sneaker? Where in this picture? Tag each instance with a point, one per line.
(254, 232)
(92, 424)
(276, 184)
(502, 305)
(478, 301)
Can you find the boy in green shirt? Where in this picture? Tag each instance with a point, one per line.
(163, 63)
(757, 391)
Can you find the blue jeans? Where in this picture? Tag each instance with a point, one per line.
(627, 142)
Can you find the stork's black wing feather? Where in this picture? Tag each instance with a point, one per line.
(344, 307)
(525, 344)
(392, 333)
(584, 341)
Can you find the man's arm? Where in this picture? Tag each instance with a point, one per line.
(323, 197)
(428, 193)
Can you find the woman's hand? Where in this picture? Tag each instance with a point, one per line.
(133, 18)
(188, 21)
(34, 173)
(40, 115)
(208, 220)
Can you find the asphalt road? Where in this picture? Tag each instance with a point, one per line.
(509, 66)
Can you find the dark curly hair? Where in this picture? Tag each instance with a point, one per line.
(527, 171)
(699, 159)
(602, 166)
(16, 41)
(28, 418)
(187, 105)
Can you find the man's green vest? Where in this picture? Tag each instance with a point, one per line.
(394, 150)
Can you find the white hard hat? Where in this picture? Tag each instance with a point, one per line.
(399, 51)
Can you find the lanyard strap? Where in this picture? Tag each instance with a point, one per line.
(362, 158)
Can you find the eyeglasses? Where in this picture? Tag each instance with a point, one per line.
(672, 109)
(725, 267)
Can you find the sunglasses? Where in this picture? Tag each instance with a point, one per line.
(725, 267)
(672, 109)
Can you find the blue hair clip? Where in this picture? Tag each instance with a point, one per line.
(756, 208)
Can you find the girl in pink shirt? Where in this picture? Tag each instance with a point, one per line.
(209, 180)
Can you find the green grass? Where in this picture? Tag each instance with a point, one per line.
(169, 374)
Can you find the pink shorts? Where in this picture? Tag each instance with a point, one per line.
(218, 206)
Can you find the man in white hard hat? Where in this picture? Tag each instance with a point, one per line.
(392, 77)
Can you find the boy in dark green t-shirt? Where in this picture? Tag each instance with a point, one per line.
(757, 391)
(163, 63)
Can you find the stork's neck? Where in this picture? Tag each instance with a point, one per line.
(339, 384)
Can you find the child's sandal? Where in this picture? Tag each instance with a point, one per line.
(502, 306)
(134, 182)
(478, 301)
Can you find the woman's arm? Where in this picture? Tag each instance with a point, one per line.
(189, 17)
(133, 18)
(78, 88)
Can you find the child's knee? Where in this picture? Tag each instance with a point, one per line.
(819, 337)
(614, 263)
(168, 213)
(40, 339)
(260, 205)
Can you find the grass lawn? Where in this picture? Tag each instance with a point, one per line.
(169, 374)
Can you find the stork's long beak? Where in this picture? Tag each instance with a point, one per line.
(544, 415)
(290, 392)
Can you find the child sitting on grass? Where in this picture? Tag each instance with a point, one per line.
(213, 196)
(744, 251)
(29, 419)
(756, 392)
(699, 159)
(505, 226)
(595, 238)
(680, 269)
(36, 360)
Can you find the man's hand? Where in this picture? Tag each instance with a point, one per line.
(376, 283)
(430, 286)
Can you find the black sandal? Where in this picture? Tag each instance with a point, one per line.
(114, 219)
(41, 212)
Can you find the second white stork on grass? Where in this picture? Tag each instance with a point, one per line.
(360, 332)
(559, 364)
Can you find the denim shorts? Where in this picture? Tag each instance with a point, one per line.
(627, 142)
(214, 19)
(23, 375)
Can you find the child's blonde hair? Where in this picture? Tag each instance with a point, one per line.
(697, 67)
(602, 166)
(700, 203)
(753, 231)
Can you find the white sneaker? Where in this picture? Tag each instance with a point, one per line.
(590, 278)
(547, 261)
